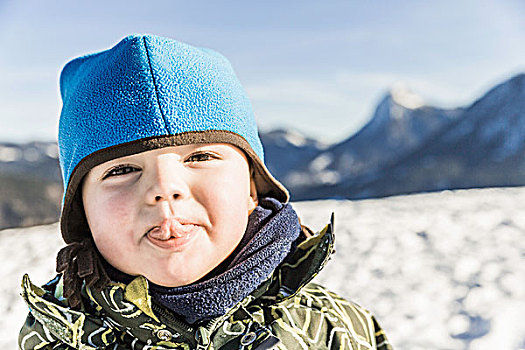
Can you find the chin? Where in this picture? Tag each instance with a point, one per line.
(177, 281)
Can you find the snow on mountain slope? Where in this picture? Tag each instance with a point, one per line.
(285, 150)
(440, 271)
(410, 149)
(401, 124)
(30, 159)
(484, 148)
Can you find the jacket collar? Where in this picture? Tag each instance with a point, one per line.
(308, 259)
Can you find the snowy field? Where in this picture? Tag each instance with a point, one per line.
(440, 271)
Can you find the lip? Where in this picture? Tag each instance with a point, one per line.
(174, 243)
(173, 234)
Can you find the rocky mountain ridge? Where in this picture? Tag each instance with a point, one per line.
(482, 145)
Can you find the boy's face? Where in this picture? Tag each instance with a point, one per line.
(171, 214)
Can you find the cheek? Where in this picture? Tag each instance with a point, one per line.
(108, 213)
(111, 225)
(230, 190)
(225, 199)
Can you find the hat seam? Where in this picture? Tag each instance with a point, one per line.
(155, 85)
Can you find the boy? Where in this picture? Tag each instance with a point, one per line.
(178, 236)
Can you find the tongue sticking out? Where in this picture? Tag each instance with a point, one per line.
(170, 228)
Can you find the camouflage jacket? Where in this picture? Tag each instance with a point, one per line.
(285, 312)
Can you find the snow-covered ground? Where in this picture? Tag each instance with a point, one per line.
(440, 271)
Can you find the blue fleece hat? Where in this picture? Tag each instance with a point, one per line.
(145, 93)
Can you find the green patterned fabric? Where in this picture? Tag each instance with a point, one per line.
(286, 312)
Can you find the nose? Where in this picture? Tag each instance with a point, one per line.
(167, 182)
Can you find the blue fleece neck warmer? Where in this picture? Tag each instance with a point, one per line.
(272, 230)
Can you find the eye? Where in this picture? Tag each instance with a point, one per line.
(200, 157)
(122, 169)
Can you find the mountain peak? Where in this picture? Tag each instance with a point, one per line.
(401, 95)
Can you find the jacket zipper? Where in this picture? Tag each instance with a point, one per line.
(211, 326)
(187, 331)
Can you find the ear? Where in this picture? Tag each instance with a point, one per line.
(253, 200)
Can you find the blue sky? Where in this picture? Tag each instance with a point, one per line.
(316, 66)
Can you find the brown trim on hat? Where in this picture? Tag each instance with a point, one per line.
(73, 223)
